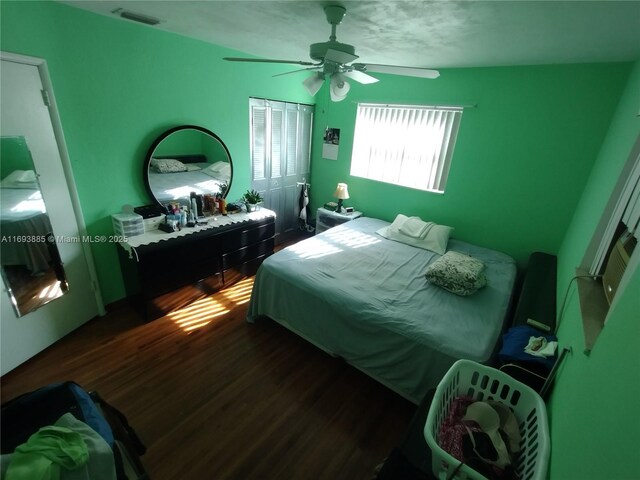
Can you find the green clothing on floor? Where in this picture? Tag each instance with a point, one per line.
(45, 452)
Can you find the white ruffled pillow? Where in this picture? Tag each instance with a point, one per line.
(435, 239)
(167, 165)
(458, 273)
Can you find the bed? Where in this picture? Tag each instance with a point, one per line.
(201, 177)
(23, 214)
(364, 298)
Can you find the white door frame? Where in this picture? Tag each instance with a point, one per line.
(43, 70)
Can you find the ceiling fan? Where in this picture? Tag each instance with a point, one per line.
(333, 60)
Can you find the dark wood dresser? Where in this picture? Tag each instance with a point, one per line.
(212, 257)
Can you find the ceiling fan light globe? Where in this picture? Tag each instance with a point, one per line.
(339, 88)
(313, 83)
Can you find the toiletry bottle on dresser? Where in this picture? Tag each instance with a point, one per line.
(194, 208)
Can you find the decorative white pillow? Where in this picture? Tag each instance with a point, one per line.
(167, 165)
(458, 273)
(435, 237)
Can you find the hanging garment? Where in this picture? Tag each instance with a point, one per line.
(304, 201)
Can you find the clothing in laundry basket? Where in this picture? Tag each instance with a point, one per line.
(483, 435)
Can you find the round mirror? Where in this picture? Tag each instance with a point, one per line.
(187, 159)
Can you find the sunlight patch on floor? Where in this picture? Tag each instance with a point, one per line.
(51, 291)
(198, 314)
(239, 293)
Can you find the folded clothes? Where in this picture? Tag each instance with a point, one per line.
(515, 341)
(415, 227)
(540, 347)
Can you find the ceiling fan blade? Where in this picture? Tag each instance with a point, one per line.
(339, 57)
(396, 70)
(360, 77)
(296, 71)
(268, 60)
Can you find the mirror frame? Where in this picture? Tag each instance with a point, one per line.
(156, 142)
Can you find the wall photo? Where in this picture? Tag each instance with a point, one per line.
(330, 143)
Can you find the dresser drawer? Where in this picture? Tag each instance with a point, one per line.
(173, 270)
(242, 255)
(247, 236)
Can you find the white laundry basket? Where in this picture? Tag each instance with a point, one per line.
(467, 378)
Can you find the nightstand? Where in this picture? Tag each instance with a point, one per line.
(325, 219)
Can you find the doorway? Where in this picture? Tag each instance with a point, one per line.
(41, 226)
(280, 158)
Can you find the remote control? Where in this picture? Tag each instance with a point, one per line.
(541, 326)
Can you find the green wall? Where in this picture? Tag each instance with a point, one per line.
(118, 86)
(520, 161)
(14, 155)
(594, 406)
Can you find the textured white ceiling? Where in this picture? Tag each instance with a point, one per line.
(411, 33)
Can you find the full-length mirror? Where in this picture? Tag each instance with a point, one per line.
(31, 264)
(187, 159)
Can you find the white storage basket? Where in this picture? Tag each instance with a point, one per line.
(127, 224)
(467, 378)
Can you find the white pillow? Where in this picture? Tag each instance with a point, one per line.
(219, 170)
(218, 166)
(21, 179)
(436, 239)
(27, 176)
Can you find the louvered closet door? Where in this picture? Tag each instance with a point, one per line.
(280, 156)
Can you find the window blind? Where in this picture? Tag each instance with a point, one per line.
(631, 215)
(410, 146)
(626, 210)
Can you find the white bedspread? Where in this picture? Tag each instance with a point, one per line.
(23, 217)
(365, 298)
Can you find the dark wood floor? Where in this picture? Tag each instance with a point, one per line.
(216, 398)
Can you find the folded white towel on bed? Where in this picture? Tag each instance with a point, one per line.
(415, 227)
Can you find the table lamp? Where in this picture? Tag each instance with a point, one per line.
(341, 194)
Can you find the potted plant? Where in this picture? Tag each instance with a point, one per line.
(222, 189)
(251, 199)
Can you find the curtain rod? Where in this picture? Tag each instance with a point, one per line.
(473, 105)
(282, 101)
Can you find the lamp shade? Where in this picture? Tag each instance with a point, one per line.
(313, 83)
(339, 87)
(341, 191)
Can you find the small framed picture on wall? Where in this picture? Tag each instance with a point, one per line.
(331, 143)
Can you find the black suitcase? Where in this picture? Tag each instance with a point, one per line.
(26, 414)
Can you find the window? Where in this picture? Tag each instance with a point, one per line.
(408, 145)
(622, 216)
(603, 267)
